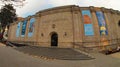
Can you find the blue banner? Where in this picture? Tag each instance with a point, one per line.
(102, 23)
(86, 16)
(31, 27)
(18, 29)
(23, 28)
(88, 27)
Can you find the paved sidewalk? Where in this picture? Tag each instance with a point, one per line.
(1, 44)
(9, 57)
(54, 53)
(116, 55)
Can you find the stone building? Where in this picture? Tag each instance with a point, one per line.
(69, 27)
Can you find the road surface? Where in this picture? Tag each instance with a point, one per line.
(10, 57)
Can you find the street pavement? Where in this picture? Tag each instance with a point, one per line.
(1, 44)
(54, 53)
(116, 55)
(10, 57)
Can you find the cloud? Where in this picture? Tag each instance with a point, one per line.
(80, 2)
(34, 6)
(62, 2)
(98, 3)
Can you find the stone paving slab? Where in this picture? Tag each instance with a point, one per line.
(116, 55)
(2, 44)
(9, 57)
(54, 53)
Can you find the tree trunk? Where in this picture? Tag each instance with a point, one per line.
(1, 35)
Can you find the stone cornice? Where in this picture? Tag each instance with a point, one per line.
(72, 8)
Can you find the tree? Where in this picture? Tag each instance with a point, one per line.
(7, 16)
(7, 13)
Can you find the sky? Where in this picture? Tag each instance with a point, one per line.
(33, 6)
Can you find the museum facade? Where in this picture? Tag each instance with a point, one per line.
(69, 27)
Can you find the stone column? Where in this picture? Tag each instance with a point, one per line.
(27, 28)
(95, 26)
(77, 27)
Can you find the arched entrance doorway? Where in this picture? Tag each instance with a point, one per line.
(54, 39)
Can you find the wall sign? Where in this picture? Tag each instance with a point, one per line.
(31, 27)
(88, 27)
(18, 29)
(23, 28)
(102, 23)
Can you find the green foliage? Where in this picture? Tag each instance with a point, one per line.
(7, 15)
